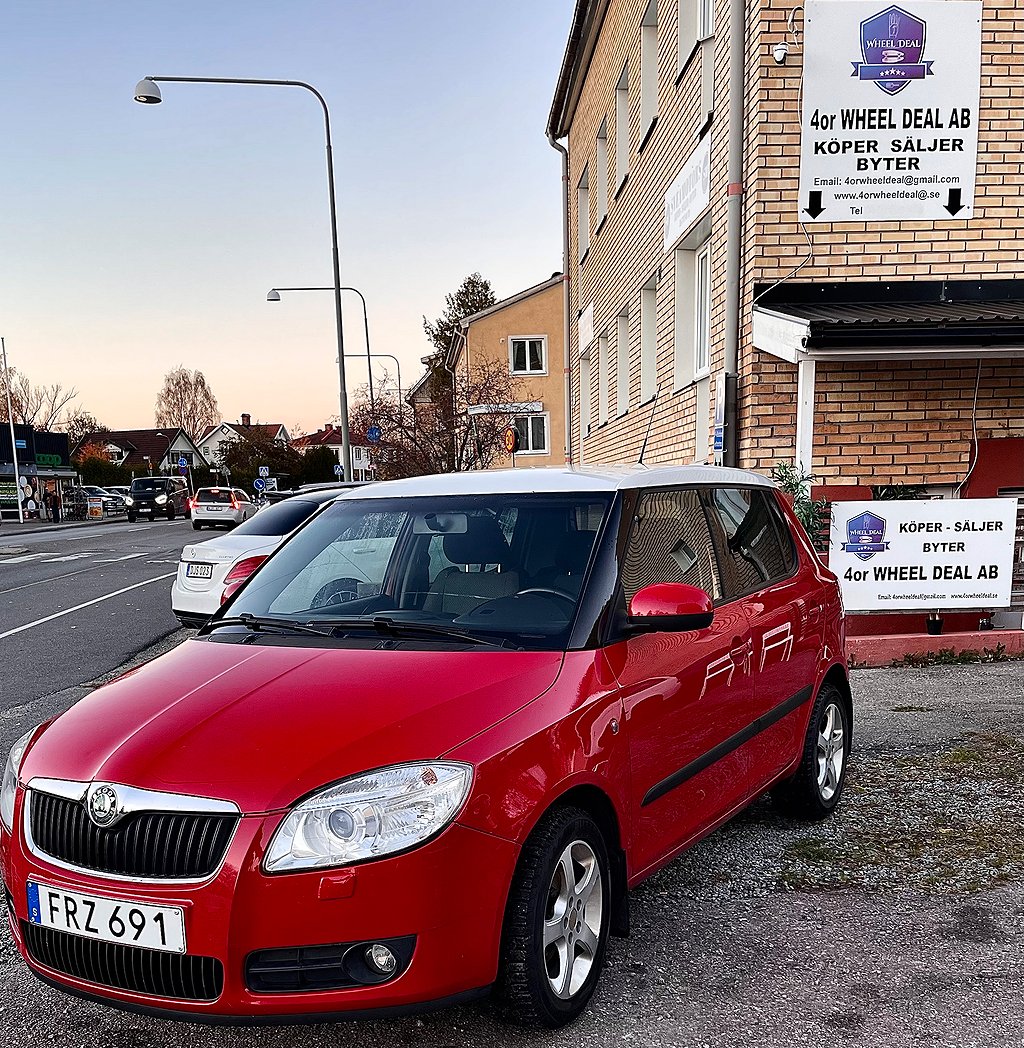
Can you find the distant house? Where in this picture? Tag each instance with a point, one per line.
(330, 437)
(226, 432)
(145, 451)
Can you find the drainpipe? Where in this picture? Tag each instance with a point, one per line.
(734, 218)
(566, 368)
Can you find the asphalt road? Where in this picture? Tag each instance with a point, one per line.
(897, 923)
(78, 601)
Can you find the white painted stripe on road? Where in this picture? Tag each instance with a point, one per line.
(21, 560)
(70, 556)
(115, 560)
(87, 604)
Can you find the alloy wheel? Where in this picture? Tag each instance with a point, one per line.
(831, 751)
(573, 919)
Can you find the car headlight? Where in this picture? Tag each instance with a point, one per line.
(129, 501)
(160, 499)
(369, 816)
(10, 781)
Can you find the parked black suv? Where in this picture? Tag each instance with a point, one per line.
(150, 496)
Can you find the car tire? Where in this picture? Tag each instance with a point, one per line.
(170, 513)
(132, 518)
(561, 892)
(813, 792)
(196, 526)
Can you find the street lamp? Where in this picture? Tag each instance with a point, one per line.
(14, 442)
(274, 295)
(148, 93)
(167, 452)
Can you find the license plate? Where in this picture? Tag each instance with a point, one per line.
(109, 920)
(199, 571)
(212, 509)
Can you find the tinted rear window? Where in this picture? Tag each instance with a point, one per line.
(217, 495)
(278, 520)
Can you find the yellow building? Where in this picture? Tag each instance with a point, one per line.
(523, 334)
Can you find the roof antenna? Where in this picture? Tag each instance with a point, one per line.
(640, 461)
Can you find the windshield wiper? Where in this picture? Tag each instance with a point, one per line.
(388, 626)
(258, 624)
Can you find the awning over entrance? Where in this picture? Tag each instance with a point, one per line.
(895, 320)
(804, 323)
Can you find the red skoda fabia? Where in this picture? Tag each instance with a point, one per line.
(429, 747)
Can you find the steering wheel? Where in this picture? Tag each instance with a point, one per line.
(337, 591)
(548, 592)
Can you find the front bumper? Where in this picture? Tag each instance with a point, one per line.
(449, 893)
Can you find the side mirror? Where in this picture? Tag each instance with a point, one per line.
(670, 607)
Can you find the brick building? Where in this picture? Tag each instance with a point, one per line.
(871, 352)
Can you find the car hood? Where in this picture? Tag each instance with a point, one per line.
(264, 725)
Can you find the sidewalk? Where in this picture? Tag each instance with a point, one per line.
(11, 529)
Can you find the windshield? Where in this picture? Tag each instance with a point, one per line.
(278, 520)
(149, 484)
(504, 568)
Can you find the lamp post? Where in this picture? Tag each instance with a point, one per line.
(14, 443)
(147, 92)
(167, 452)
(274, 295)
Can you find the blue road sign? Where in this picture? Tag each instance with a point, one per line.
(373, 434)
(264, 471)
(182, 462)
(338, 470)
(259, 483)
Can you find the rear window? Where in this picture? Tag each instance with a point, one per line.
(278, 520)
(216, 495)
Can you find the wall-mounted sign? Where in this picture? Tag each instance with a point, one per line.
(943, 553)
(689, 194)
(586, 328)
(890, 110)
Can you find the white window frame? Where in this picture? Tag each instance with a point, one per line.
(546, 416)
(702, 312)
(622, 365)
(586, 395)
(649, 69)
(602, 378)
(583, 214)
(696, 23)
(622, 128)
(543, 339)
(601, 172)
(648, 341)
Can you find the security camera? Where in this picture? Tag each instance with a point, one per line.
(780, 52)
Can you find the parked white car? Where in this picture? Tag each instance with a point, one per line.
(208, 568)
(225, 507)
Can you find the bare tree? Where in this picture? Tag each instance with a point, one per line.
(432, 438)
(186, 402)
(37, 406)
(79, 423)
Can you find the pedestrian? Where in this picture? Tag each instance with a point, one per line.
(55, 505)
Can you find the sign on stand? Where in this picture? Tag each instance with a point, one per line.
(890, 110)
(943, 553)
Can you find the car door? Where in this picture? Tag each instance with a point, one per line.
(783, 603)
(684, 694)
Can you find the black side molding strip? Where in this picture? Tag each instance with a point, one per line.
(723, 749)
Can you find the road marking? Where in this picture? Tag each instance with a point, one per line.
(21, 560)
(87, 604)
(115, 560)
(70, 556)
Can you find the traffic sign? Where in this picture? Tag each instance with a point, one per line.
(183, 470)
(338, 470)
(264, 471)
(259, 483)
(510, 439)
(182, 462)
(373, 434)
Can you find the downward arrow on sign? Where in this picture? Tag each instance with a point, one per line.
(953, 204)
(814, 207)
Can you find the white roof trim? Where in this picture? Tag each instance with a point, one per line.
(526, 408)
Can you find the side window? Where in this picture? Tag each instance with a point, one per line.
(670, 542)
(753, 542)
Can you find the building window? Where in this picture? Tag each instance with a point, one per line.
(533, 434)
(583, 213)
(601, 172)
(649, 69)
(648, 341)
(702, 312)
(693, 314)
(705, 19)
(707, 79)
(622, 128)
(696, 22)
(602, 379)
(528, 356)
(622, 363)
(586, 395)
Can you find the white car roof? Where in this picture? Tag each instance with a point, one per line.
(558, 479)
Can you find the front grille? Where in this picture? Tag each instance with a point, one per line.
(154, 972)
(178, 845)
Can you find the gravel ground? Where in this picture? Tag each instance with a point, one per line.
(897, 923)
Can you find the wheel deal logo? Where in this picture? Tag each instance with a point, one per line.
(864, 535)
(892, 43)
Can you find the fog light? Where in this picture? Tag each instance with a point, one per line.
(381, 959)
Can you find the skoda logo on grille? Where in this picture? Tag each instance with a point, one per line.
(102, 805)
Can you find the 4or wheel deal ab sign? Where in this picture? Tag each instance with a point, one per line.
(955, 553)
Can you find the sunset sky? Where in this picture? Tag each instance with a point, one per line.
(136, 238)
